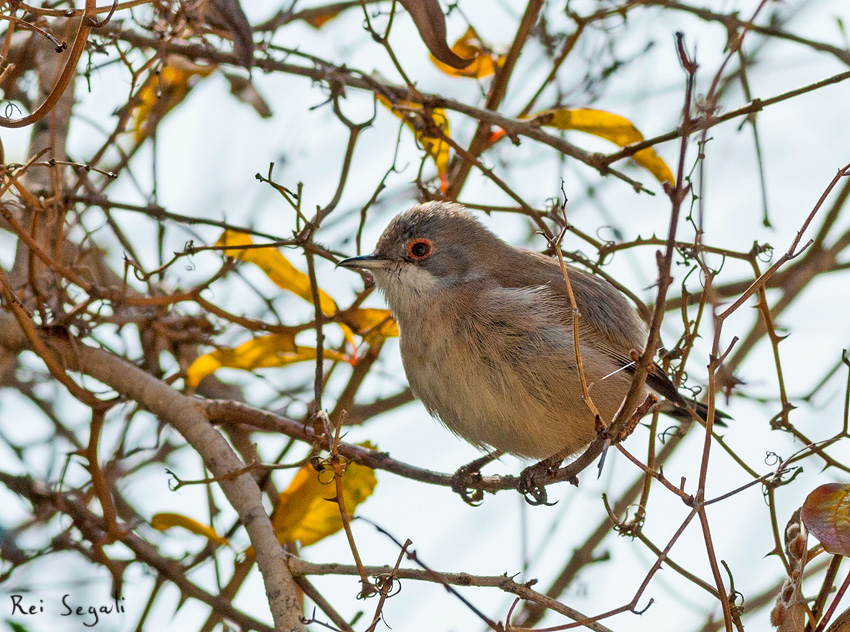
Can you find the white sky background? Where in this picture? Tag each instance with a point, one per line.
(208, 151)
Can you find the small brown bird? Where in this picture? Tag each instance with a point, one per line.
(487, 334)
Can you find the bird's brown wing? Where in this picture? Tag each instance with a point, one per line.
(607, 318)
(602, 306)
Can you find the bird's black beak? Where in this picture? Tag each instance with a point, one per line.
(366, 262)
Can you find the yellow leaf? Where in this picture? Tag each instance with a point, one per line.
(307, 511)
(288, 277)
(164, 90)
(611, 127)
(374, 325)
(276, 266)
(263, 352)
(319, 16)
(165, 521)
(427, 130)
(469, 46)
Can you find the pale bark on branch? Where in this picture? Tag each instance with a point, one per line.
(185, 415)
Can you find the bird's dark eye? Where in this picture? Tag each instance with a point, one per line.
(419, 249)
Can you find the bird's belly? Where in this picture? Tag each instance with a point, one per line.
(492, 406)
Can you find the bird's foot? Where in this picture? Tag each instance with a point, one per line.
(464, 480)
(463, 484)
(531, 481)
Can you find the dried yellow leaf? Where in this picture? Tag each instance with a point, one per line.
(372, 324)
(276, 266)
(318, 17)
(429, 130)
(266, 351)
(165, 521)
(163, 91)
(308, 511)
(280, 349)
(611, 127)
(470, 46)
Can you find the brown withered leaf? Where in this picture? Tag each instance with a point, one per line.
(431, 24)
(228, 16)
(469, 45)
(826, 514)
(244, 90)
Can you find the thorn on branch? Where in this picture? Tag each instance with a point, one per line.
(688, 64)
(651, 601)
(96, 24)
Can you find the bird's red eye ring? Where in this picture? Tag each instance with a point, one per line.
(419, 249)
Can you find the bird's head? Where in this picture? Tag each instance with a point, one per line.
(431, 248)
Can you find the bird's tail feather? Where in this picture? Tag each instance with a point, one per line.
(681, 413)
